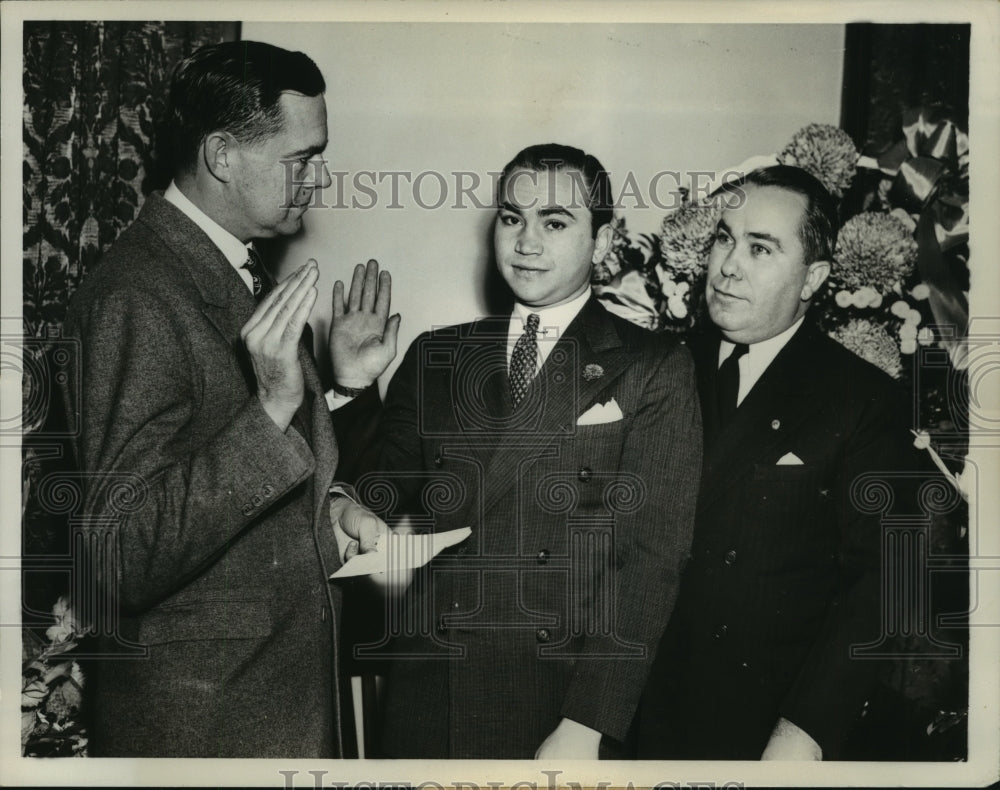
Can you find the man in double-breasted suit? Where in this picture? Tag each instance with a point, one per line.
(784, 572)
(569, 441)
(206, 442)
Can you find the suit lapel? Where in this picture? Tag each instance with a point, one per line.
(557, 397)
(228, 304)
(780, 401)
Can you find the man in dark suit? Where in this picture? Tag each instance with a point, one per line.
(784, 571)
(199, 398)
(569, 441)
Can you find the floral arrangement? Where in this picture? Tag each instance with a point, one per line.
(877, 301)
(660, 281)
(52, 690)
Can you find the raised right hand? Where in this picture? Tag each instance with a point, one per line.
(272, 338)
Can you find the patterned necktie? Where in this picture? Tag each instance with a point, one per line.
(261, 281)
(728, 383)
(523, 360)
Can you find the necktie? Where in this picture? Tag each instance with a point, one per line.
(261, 281)
(523, 360)
(728, 383)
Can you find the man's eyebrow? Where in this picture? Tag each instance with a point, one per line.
(506, 205)
(558, 211)
(766, 237)
(310, 151)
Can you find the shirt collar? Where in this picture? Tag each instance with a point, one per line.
(762, 354)
(552, 321)
(231, 247)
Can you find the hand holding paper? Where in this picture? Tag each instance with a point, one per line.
(399, 551)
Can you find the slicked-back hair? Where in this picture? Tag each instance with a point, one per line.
(233, 87)
(820, 222)
(595, 192)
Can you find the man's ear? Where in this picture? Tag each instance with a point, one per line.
(216, 151)
(815, 276)
(602, 243)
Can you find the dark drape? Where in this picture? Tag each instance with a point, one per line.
(93, 96)
(919, 710)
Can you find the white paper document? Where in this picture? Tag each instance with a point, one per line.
(399, 551)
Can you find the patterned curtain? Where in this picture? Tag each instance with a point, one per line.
(93, 96)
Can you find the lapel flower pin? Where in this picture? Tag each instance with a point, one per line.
(593, 372)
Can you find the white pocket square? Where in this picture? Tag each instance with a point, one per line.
(789, 459)
(601, 413)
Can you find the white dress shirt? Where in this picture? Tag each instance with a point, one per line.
(756, 360)
(552, 324)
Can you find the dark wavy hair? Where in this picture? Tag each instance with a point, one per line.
(552, 157)
(234, 87)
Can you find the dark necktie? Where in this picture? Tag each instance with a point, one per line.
(523, 360)
(728, 383)
(261, 281)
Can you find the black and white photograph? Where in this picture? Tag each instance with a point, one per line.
(500, 394)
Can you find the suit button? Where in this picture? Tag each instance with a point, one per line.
(720, 631)
(247, 509)
(730, 557)
(775, 424)
(268, 491)
(438, 460)
(584, 474)
(257, 500)
(543, 635)
(543, 557)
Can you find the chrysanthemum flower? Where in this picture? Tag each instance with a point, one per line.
(686, 239)
(873, 250)
(825, 151)
(871, 342)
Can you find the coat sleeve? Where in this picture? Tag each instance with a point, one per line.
(356, 425)
(192, 495)
(831, 688)
(663, 448)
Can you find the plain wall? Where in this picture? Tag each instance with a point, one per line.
(466, 97)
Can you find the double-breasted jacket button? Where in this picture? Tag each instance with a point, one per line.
(775, 424)
(584, 474)
(730, 557)
(257, 500)
(543, 635)
(267, 491)
(542, 556)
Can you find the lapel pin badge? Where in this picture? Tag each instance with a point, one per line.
(775, 424)
(593, 372)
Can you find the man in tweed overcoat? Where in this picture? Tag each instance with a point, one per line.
(196, 388)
